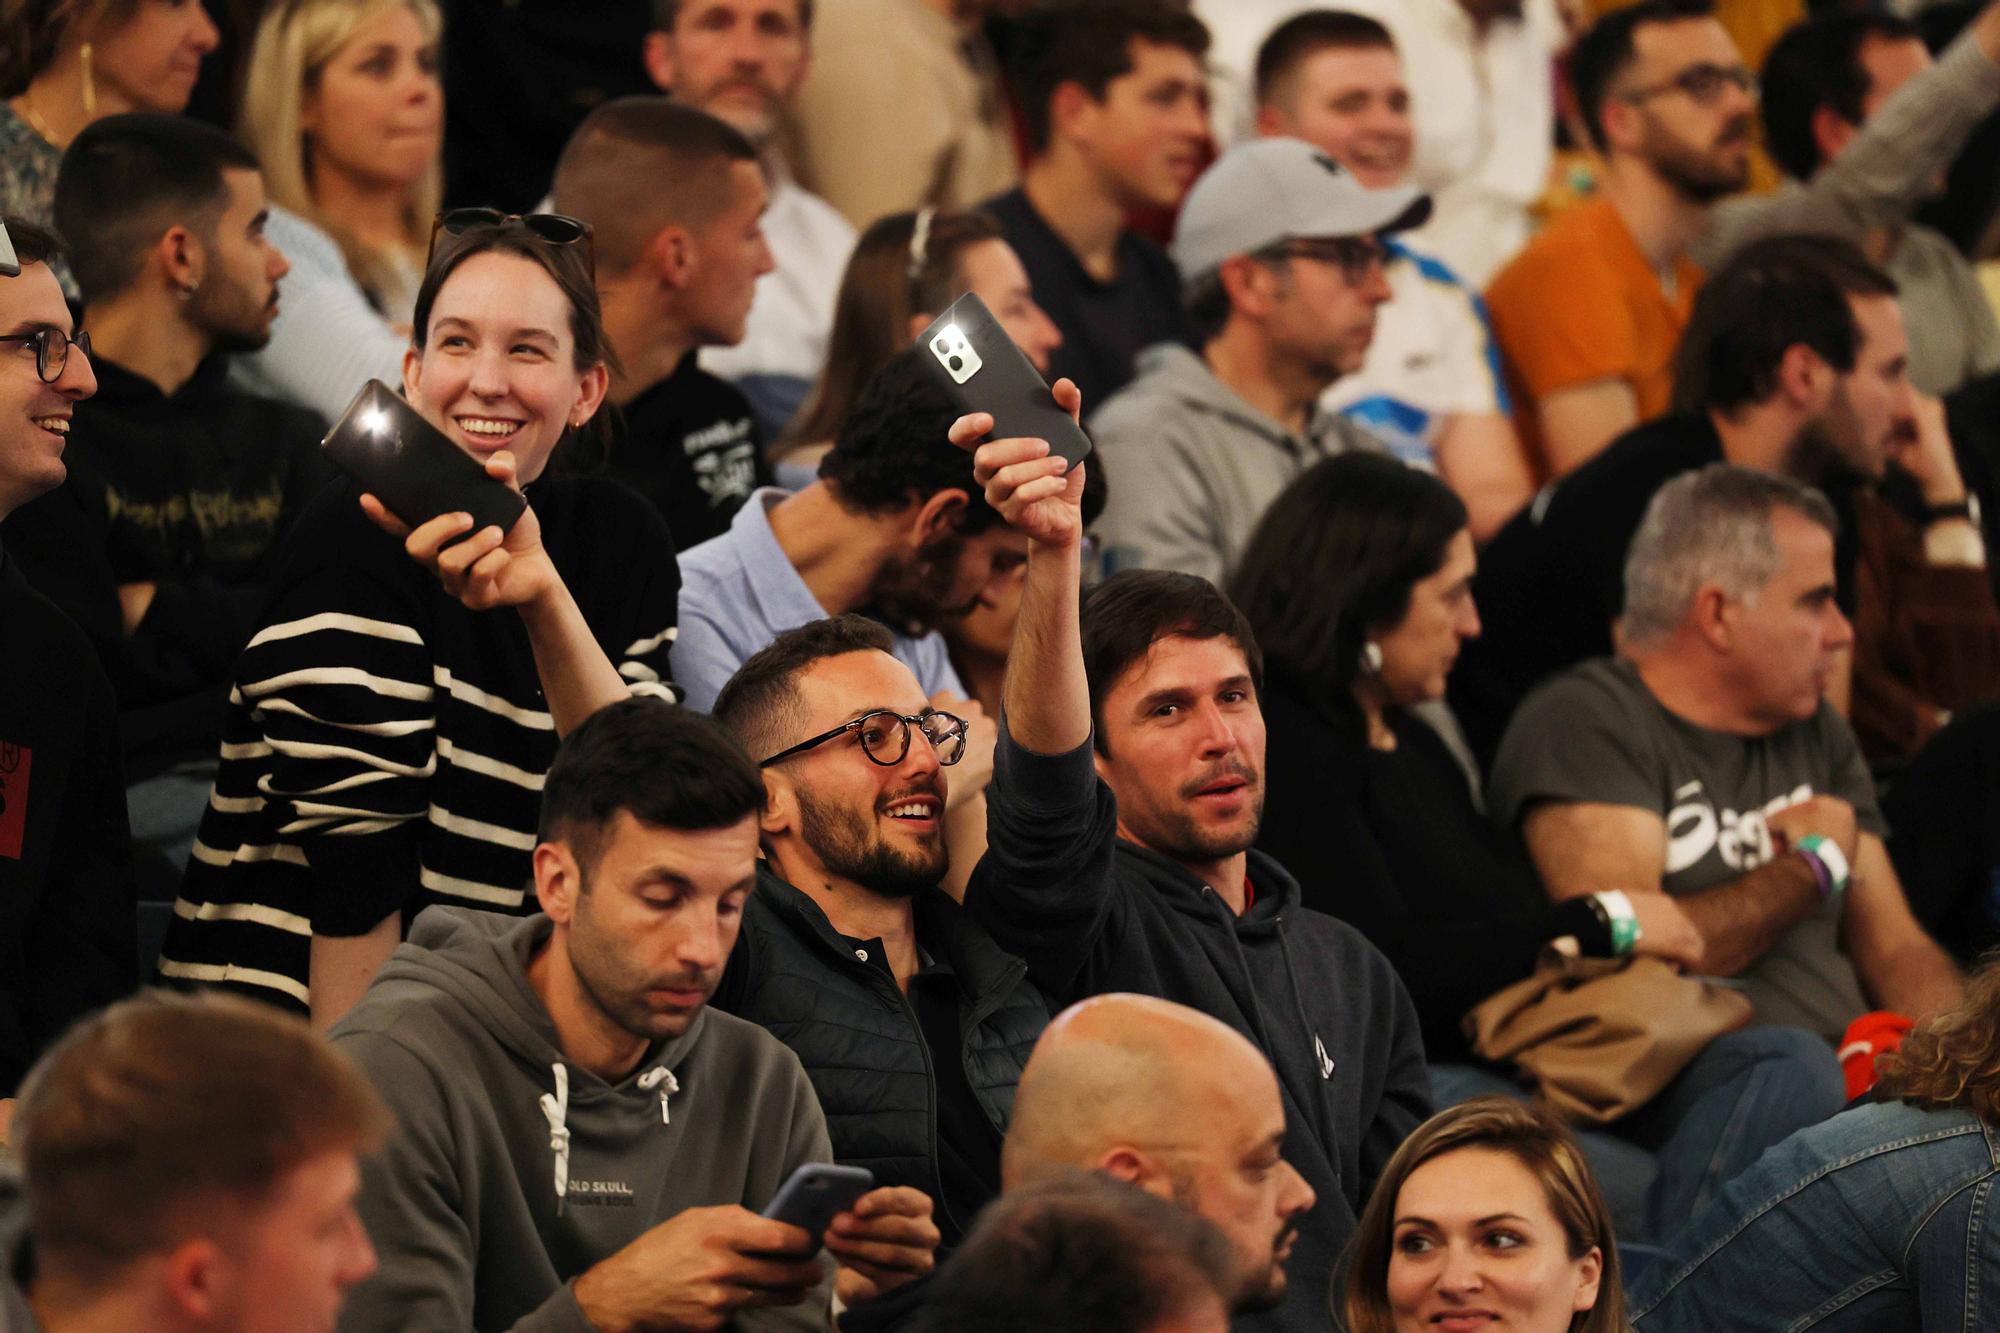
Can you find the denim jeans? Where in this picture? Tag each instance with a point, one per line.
(1746, 1091)
(1878, 1220)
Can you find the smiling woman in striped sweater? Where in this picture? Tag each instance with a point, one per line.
(391, 723)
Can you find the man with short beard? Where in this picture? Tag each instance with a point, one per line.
(912, 1024)
(1589, 314)
(1123, 856)
(895, 528)
(180, 485)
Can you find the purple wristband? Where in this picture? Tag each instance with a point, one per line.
(1821, 874)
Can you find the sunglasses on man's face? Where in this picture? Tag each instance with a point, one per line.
(555, 229)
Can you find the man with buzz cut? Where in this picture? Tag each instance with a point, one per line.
(743, 61)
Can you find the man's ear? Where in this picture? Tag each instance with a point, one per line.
(781, 807)
(1272, 121)
(183, 258)
(1070, 107)
(1251, 286)
(1134, 1167)
(670, 256)
(558, 880)
(1831, 132)
(1714, 617)
(938, 517)
(197, 1276)
(657, 54)
(1804, 378)
(1620, 120)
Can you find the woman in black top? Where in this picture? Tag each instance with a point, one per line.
(387, 737)
(1358, 582)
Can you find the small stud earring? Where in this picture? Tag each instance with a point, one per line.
(1371, 658)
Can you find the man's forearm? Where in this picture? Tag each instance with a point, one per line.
(1047, 696)
(1739, 921)
(1916, 978)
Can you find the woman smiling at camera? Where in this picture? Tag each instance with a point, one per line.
(390, 725)
(1486, 1218)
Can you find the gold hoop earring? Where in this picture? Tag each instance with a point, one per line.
(89, 81)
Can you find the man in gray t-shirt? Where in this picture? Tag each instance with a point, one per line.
(1705, 761)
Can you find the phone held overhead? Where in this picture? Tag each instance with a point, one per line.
(980, 367)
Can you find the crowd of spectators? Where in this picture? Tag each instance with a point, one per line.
(1475, 802)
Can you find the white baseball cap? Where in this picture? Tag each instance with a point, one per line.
(1268, 191)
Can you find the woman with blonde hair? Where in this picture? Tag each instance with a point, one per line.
(66, 63)
(1487, 1216)
(1880, 1219)
(344, 109)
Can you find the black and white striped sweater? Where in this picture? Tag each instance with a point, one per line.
(384, 747)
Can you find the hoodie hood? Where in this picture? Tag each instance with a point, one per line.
(1277, 892)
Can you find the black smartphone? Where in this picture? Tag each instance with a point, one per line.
(817, 1193)
(983, 371)
(413, 467)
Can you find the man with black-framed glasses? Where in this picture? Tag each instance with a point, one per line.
(67, 901)
(912, 1024)
(1282, 251)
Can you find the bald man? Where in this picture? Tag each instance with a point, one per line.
(1179, 1104)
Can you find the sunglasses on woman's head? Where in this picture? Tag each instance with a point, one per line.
(555, 229)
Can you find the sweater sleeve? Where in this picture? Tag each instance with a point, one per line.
(1880, 177)
(1045, 888)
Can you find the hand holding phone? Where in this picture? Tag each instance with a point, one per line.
(817, 1193)
(412, 467)
(973, 359)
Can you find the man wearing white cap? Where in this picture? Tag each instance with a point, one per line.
(1281, 251)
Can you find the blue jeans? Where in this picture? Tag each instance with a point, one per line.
(1880, 1220)
(1746, 1091)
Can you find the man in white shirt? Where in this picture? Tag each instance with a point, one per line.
(1483, 99)
(743, 61)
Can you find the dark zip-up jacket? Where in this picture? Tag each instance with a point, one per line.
(1093, 913)
(858, 1037)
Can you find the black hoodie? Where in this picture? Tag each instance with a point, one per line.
(1093, 913)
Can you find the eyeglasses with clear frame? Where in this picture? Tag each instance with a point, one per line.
(884, 735)
(51, 349)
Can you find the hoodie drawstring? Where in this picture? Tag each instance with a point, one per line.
(555, 1109)
(662, 1078)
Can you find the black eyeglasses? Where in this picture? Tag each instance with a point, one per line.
(885, 737)
(51, 349)
(552, 228)
(1703, 83)
(1359, 257)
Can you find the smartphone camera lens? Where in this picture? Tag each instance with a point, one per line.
(957, 363)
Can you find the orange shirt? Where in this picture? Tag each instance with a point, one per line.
(1581, 303)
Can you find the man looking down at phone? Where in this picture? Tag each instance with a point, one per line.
(894, 528)
(390, 722)
(180, 485)
(911, 1022)
(1121, 856)
(675, 199)
(1282, 252)
(582, 1143)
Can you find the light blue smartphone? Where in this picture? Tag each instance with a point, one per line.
(817, 1193)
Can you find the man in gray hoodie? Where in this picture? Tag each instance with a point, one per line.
(583, 1143)
(1279, 245)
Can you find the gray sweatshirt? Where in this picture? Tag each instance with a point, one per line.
(513, 1170)
(1191, 466)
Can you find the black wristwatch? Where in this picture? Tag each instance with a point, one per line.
(1967, 509)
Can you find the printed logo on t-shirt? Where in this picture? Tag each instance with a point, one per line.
(1742, 838)
(599, 1194)
(724, 459)
(15, 761)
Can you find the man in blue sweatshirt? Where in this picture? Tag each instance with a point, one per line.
(583, 1144)
(1128, 789)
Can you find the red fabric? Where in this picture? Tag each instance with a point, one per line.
(1867, 1039)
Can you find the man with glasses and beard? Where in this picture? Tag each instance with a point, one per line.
(895, 528)
(911, 1022)
(179, 485)
(1588, 315)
